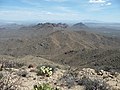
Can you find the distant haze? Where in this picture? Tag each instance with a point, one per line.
(59, 10)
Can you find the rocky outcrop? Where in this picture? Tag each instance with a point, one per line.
(62, 25)
(107, 80)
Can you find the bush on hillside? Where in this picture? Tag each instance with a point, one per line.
(93, 84)
(1, 76)
(11, 64)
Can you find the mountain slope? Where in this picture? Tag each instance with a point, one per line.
(56, 43)
(97, 59)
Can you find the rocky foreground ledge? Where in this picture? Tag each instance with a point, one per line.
(26, 77)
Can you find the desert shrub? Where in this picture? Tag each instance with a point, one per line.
(11, 64)
(93, 84)
(1, 76)
(22, 73)
(106, 68)
(44, 86)
(45, 70)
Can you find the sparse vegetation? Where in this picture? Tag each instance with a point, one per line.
(93, 84)
(9, 82)
(11, 64)
(21, 50)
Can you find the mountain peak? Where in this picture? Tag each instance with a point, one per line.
(80, 25)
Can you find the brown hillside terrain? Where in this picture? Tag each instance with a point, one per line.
(97, 59)
(56, 43)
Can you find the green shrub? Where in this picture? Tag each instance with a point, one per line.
(1, 76)
(45, 71)
(93, 84)
(44, 87)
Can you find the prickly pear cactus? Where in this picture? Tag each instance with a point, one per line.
(44, 87)
(45, 70)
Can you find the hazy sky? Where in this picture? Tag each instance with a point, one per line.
(60, 10)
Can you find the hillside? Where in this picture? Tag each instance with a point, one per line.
(97, 59)
(57, 43)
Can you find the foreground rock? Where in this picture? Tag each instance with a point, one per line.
(86, 79)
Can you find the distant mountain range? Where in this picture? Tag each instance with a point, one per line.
(80, 26)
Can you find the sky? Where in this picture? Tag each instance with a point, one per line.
(60, 10)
